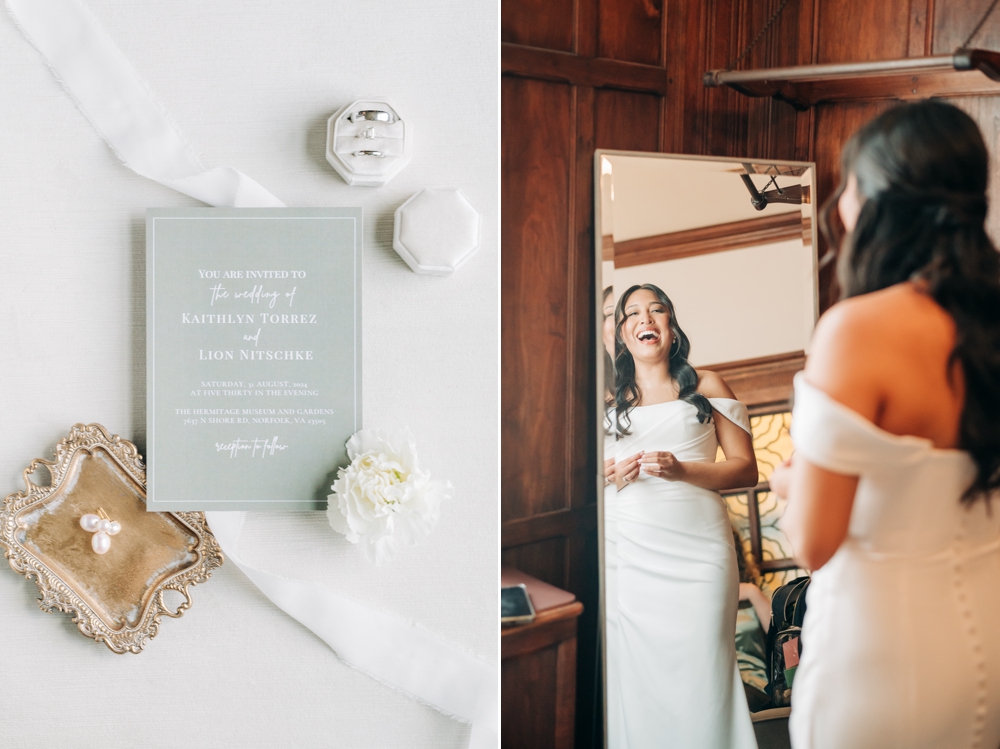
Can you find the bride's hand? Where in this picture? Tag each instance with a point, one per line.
(627, 471)
(663, 465)
(609, 471)
(781, 478)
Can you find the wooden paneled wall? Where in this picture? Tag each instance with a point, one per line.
(626, 74)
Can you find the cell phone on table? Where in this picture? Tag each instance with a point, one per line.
(515, 606)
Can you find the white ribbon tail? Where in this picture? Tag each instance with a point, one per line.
(112, 96)
(388, 649)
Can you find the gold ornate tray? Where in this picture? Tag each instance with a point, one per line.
(116, 597)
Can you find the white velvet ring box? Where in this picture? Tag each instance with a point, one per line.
(436, 231)
(368, 152)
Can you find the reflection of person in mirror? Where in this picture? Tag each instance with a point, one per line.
(608, 335)
(753, 617)
(678, 585)
(897, 436)
(610, 515)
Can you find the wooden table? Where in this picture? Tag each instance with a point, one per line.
(538, 670)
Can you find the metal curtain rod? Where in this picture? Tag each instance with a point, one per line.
(962, 59)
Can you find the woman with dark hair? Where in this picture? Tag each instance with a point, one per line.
(608, 336)
(614, 711)
(897, 433)
(677, 568)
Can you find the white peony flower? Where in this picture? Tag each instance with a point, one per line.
(383, 500)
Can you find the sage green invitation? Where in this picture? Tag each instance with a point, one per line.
(253, 355)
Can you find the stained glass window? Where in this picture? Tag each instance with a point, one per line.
(739, 513)
(755, 512)
(774, 542)
(772, 442)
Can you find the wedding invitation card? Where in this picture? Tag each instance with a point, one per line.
(253, 355)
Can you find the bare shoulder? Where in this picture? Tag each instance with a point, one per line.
(711, 385)
(846, 323)
(865, 346)
(887, 318)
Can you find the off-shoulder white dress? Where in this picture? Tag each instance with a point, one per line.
(901, 640)
(677, 593)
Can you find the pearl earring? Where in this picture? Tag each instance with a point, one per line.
(102, 527)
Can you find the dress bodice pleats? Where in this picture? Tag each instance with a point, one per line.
(673, 680)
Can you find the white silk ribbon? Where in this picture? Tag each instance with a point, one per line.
(387, 648)
(136, 127)
(112, 96)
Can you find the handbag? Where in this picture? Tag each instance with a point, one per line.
(784, 639)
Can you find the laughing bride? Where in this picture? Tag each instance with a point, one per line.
(677, 576)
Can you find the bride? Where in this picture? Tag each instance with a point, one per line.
(677, 579)
(897, 450)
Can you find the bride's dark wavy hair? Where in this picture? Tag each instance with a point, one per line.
(922, 169)
(627, 393)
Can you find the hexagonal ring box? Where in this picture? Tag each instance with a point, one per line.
(436, 231)
(368, 143)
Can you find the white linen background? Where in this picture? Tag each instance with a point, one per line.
(251, 85)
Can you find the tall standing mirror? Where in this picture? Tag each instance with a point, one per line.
(708, 297)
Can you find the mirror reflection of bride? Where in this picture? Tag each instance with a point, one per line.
(678, 684)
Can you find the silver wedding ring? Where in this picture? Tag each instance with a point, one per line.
(377, 154)
(372, 115)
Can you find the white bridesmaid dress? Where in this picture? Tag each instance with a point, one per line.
(901, 640)
(614, 722)
(677, 593)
